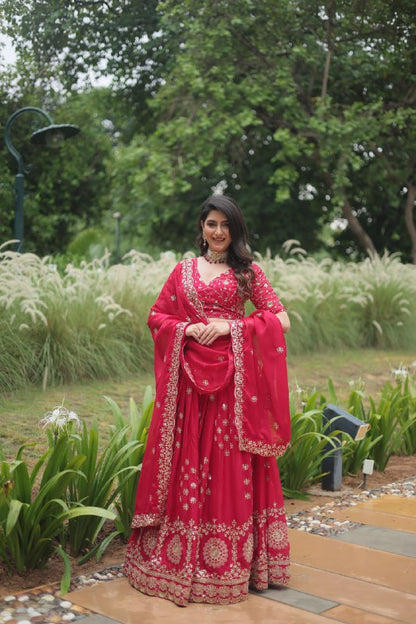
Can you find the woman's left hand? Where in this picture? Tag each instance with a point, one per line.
(284, 320)
(212, 331)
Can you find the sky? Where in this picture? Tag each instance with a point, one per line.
(7, 55)
(7, 51)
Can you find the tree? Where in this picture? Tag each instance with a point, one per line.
(320, 82)
(76, 43)
(301, 106)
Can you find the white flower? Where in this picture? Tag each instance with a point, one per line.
(59, 419)
(400, 373)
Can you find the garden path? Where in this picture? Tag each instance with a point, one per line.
(353, 561)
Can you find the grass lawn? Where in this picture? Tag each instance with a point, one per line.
(21, 412)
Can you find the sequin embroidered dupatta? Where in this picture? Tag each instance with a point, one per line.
(262, 414)
(254, 359)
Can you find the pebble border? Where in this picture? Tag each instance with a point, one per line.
(44, 605)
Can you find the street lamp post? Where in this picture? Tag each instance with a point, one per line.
(117, 216)
(48, 135)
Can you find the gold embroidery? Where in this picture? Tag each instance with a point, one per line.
(227, 550)
(167, 432)
(174, 549)
(215, 552)
(192, 582)
(277, 534)
(144, 520)
(259, 448)
(149, 540)
(248, 549)
(189, 288)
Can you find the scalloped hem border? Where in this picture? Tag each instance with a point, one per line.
(181, 593)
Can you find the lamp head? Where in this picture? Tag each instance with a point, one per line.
(342, 420)
(54, 134)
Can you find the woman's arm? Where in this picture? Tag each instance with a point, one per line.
(264, 298)
(284, 320)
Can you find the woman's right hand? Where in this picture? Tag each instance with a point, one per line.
(194, 330)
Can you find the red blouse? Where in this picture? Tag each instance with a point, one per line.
(220, 298)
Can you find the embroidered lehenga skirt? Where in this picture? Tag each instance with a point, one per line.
(224, 528)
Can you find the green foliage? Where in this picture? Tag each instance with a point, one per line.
(94, 484)
(76, 326)
(304, 109)
(300, 466)
(64, 500)
(33, 515)
(69, 494)
(89, 244)
(334, 304)
(392, 431)
(66, 187)
(294, 86)
(391, 421)
(392, 425)
(134, 429)
(74, 41)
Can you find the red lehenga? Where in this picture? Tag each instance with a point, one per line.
(209, 519)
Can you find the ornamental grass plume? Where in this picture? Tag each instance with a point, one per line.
(89, 321)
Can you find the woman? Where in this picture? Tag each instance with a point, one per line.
(209, 519)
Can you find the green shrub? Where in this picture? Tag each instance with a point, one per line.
(300, 466)
(34, 512)
(392, 425)
(73, 488)
(135, 429)
(392, 431)
(95, 483)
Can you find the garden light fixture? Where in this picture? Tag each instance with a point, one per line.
(335, 419)
(50, 135)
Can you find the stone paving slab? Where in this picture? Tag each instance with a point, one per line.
(387, 540)
(393, 504)
(353, 615)
(299, 599)
(357, 584)
(354, 560)
(351, 592)
(120, 601)
(363, 515)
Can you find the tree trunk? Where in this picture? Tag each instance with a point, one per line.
(330, 47)
(358, 230)
(324, 89)
(408, 217)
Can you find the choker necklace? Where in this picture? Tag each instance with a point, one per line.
(216, 257)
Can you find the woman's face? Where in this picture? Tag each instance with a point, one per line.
(216, 231)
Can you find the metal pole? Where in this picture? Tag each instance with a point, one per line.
(19, 186)
(18, 213)
(117, 217)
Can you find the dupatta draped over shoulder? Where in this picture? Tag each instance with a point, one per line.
(252, 358)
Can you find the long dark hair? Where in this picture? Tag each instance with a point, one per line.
(239, 256)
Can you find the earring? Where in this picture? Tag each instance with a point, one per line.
(205, 242)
